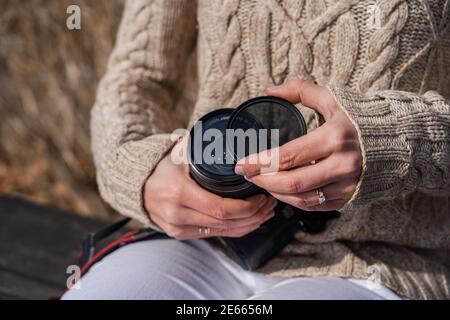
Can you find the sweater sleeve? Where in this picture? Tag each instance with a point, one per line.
(133, 115)
(405, 140)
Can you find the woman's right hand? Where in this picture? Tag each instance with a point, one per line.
(179, 206)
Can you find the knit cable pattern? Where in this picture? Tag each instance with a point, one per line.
(299, 49)
(228, 68)
(383, 45)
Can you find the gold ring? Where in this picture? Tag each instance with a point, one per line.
(321, 196)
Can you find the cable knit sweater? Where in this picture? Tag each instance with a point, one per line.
(386, 62)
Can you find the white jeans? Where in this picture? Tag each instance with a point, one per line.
(171, 269)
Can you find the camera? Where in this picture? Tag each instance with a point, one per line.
(219, 140)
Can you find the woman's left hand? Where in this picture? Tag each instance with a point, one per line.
(334, 147)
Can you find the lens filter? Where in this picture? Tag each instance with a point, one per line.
(263, 123)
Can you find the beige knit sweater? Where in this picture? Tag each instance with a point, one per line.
(176, 60)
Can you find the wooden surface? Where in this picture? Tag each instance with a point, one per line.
(36, 246)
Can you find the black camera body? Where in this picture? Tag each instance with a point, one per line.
(256, 125)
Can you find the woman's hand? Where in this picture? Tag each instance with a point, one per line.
(334, 147)
(180, 207)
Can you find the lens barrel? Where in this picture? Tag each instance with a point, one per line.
(217, 178)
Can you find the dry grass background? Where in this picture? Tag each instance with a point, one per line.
(48, 78)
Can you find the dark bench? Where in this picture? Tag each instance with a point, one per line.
(37, 244)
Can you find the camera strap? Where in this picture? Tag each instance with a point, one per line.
(244, 247)
(90, 254)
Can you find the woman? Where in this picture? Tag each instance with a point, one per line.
(384, 153)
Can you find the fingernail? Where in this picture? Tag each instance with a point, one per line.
(263, 202)
(255, 228)
(273, 203)
(269, 216)
(238, 169)
(248, 178)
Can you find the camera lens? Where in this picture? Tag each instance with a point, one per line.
(222, 137)
(210, 162)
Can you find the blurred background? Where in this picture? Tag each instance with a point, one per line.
(48, 79)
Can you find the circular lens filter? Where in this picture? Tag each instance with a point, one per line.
(263, 123)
